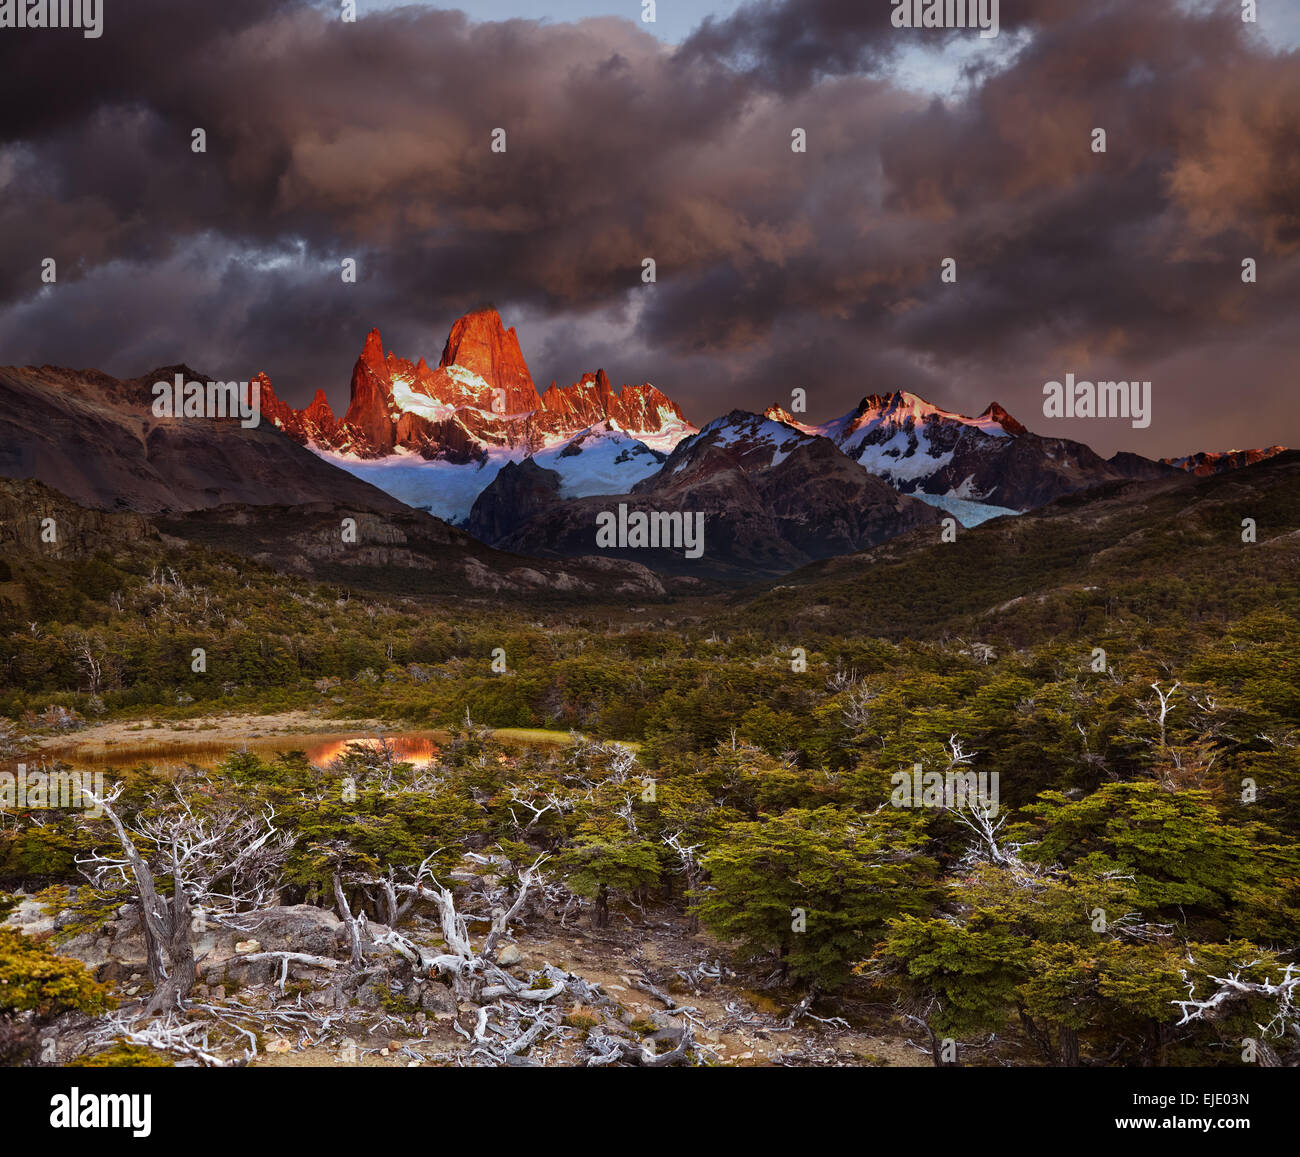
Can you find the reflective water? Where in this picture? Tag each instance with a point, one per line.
(419, 748)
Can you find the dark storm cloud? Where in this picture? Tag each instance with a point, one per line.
(371, 140)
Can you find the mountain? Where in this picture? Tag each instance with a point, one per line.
(75, 444)
(435, 438)
(955, 461)
(473, 442)
(772, 497)
(96, 439)
(1209, 462)
(438, 438)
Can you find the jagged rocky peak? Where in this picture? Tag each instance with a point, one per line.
(776, 413)
(478, 342)
(1208, 462)
(997, 414)
(480, 397)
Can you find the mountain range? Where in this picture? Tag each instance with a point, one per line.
(473, 443)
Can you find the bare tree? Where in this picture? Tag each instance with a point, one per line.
(855, 706)
(218, 863)
(1284, 1026)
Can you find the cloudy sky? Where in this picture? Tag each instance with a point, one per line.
(626, 140)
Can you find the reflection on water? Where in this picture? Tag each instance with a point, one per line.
(416, 749)
(419, 748)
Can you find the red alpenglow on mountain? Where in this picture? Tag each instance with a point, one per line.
(480, 395)
(437, 438)
(434, 438)
(1209, 462)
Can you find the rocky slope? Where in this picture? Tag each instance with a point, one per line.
(95, 439)
(395, 550)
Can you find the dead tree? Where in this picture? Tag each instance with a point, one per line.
(692, 869)
(219, 863)
(1283, 1026)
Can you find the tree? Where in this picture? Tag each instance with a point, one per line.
(36, 986)
(215, 863)
(606, 857)
(814, 889)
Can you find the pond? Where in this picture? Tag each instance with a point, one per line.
(417, 747)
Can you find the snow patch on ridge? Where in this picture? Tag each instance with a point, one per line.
(408, 401)
(602, 459)
(599, 460)
(445, 489)
(965, 511)
(905, 457)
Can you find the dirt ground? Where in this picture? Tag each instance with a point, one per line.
(733, 1025)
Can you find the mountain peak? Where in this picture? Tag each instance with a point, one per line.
(1208, 462)
(901, 408)
(372, 353)
(480, 395)
(478, 342)
(995, 413)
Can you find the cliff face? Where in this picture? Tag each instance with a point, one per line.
(479, 343)
(77, 531)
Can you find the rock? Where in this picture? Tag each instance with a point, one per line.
(509, 956)
(480, 343)
(299, 928)
(247, 947)
(438, 998)
(31, 918)
(65, 917)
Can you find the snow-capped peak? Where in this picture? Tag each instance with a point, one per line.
(902, 410)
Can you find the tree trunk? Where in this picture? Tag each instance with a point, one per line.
(1069, 1042)
(1040, 1039)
